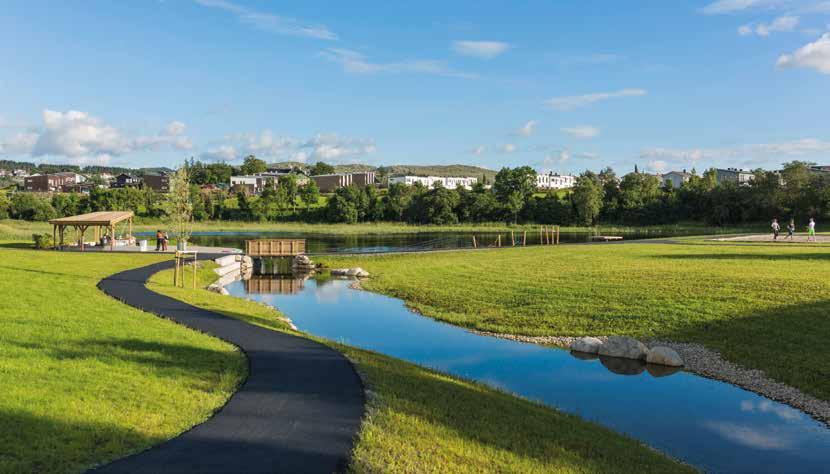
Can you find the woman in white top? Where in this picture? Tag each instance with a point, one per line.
(811, 231)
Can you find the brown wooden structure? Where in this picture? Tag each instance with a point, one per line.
(274, 247)
(269, 284)
(103, 223)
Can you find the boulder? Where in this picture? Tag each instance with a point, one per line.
(226, 260)
(664, 356)
(588, 345)
(357, 272)
(228, 279)
(623, 346)
(233, 267)
(339, 271)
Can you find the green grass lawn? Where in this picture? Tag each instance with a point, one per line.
(762, 306)
(86, 379)
(423, 421)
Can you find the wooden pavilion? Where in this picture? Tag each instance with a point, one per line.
(103, 223)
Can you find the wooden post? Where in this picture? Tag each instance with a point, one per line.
(524, 239)
(557, 235)
(498, 240)
(130, 236)
(176, 270)
(475, 246)
(61, 231)
(83, 231)
(541, 240)
(112, 238)
(54, 236)
(512, 239)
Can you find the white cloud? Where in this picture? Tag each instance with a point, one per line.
(732, 6)
(748, 155)
(528, 129)
(658, 166)
(583, 132)
(750, 436)
(815, 55)
(357, 63)
(557, 157)
(573, 102)
(785, 23)
(86, 139)
(480, 49)
(322, 147)
(479, 150)
(508, 148)
(269, 22)
(766, 406)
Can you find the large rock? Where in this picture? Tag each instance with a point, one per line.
(664, 356)
(339, 271)
(225, 280)
(226, 260)
(233, 267)
(357, 272)
(588, 345)
(623, 346)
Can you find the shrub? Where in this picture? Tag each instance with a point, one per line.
(43, 241)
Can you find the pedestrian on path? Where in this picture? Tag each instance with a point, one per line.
(791, 229)
(159, 239)
(811, 230)
(776, 228)
(164, 241)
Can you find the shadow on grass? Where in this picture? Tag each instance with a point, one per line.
(17, 245)
(747, 256)
(32, 443)
(787, 342)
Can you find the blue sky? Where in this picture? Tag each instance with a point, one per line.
(564, 86)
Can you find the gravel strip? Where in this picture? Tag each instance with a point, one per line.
(707, 363)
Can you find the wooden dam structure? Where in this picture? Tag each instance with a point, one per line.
(275, 247)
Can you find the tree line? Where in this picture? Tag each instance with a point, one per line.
(796, 192)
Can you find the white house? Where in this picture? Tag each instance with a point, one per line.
(676, 178)
(449, 182)
(554, 181)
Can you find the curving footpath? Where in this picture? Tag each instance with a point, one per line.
(298, 411)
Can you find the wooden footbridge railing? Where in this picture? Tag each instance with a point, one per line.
(274, 247)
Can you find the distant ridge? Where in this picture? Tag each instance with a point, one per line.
(397, 170)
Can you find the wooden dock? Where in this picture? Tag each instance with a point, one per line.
(274, 247)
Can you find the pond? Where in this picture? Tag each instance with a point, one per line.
(410, 242)
(712, 425)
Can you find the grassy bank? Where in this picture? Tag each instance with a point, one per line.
(423, 421)
(762, 306)
(15, 229)
(86, 379)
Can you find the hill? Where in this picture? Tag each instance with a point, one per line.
(438, 170)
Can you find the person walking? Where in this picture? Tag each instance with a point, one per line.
(164, 241)
(159, 239)
(791, 229)
(811, 230)
(776, 228)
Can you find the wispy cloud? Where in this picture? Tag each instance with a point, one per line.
(815, 55)
(583, 132)
(479, 150)
(749, 155)
(528, 129)
(269, 22)
(750, 436)
(508, 148)
(480, 49)
(357, 63)
(785, 23)
(323, 146)
(566, 103)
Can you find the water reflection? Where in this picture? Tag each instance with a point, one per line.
(710, 424)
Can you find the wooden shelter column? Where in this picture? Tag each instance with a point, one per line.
(112, 238)
(55, 236)
(83, 231)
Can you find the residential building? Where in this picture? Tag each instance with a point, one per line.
(554, 181)
(735, 175)
(20, 173)
(330, 182)
(84, 187)
(676, 178)
(157, 182)
(47, 183)
(125, 180)
(250, 184)
(449, 182)
(363, 179)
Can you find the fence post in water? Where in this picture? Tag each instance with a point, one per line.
(498, 240)
(474, 242)
(512, 239)
(524, 239)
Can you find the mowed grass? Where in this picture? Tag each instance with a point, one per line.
(763, 306)
(85, 379)
(423, 421)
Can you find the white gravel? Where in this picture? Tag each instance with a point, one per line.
(708, 363)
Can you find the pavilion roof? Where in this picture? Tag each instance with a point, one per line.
(107, 218)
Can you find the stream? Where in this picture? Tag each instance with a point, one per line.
(712, 425)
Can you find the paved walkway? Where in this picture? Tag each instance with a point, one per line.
(298, 411)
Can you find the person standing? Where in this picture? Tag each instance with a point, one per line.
(164, 240)
(159, 240)
(791, 229)
(776, 228)
(811, 230)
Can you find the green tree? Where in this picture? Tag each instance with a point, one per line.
(253, 165)
(5, 206)
(397, 201)
(178, 205)
(290, 188)
(309, 193)
(520, 180)
(321, 168)
(587, 198)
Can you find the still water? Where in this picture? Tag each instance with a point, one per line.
(379, 243)
(712, 425)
